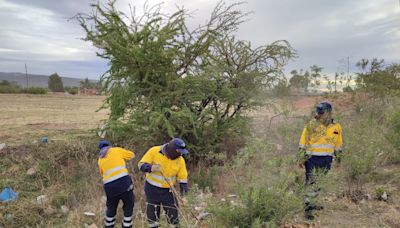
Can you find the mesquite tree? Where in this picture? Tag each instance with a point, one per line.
(167, 80)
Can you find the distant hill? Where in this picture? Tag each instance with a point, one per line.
(36, 80)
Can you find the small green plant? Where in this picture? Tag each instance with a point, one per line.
(379, 192)
(266, 206)
(206, 177)
(394, 126)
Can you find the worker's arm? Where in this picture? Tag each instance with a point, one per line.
(126, 154)
(301, 153)
(339, 142)
(146, 161)
(100, 169)
(147, 168)
(182, 177)
(339, 145)
(303, 139)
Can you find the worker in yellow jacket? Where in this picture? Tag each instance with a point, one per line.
(320, 141)
(164, 166)
(117, 182)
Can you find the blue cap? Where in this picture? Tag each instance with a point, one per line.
(104, 143)
(323, 107)
(179, 145)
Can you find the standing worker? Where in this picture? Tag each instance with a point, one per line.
(117, 182)
(164, 165)
(320, 141)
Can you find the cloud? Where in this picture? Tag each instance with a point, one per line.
(38, 31)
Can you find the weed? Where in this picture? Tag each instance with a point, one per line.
(269, 205)
(206, 177)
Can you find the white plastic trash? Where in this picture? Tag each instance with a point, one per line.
(42, 199)
(88, 213)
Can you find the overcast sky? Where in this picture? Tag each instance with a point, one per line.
(38, 33)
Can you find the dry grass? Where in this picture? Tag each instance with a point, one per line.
(25, 118)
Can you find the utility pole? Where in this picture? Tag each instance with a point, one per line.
(26, 74)
(348, 66)
(336, 76)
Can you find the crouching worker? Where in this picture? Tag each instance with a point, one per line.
(164, 165)
(117, 183)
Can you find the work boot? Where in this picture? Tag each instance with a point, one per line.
(308, 215)
(311, 207)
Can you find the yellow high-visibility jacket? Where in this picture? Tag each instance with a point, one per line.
(320, 140)
(112, 166)
(171, 170)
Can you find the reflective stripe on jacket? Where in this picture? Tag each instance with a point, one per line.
(112, 166)
(320, 140)
(171, 170)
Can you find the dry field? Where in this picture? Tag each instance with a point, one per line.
(26, 118)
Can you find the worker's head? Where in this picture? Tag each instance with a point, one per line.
(175, 148)
(323, 110)
(104, 143)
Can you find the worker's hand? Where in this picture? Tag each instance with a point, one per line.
(184, 201)
(338, 157)
(301, 157)
(155, 168)
(183, 188)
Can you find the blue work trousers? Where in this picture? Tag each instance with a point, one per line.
(316, 163)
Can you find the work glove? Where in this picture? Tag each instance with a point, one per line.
(145, 167)
(183, 188)
(155, 168)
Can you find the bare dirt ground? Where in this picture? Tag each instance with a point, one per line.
(25, 118)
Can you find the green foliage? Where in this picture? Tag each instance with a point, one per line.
(347, 89)
(55, 83)
(72, 90)
(367, 144)
(358, 165)
(331, 85)
(379, 192)
(9, 87)
(282, 88)
(12, 87)
(264, 206)
(165, 80)
(360, 155)
(8, 83)
(35, 90)
(377, 79)
(89, 85)
(206, 177)
(310, 78)
(315, 75)
(269, 189)
(299, 80)
(394, 135)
